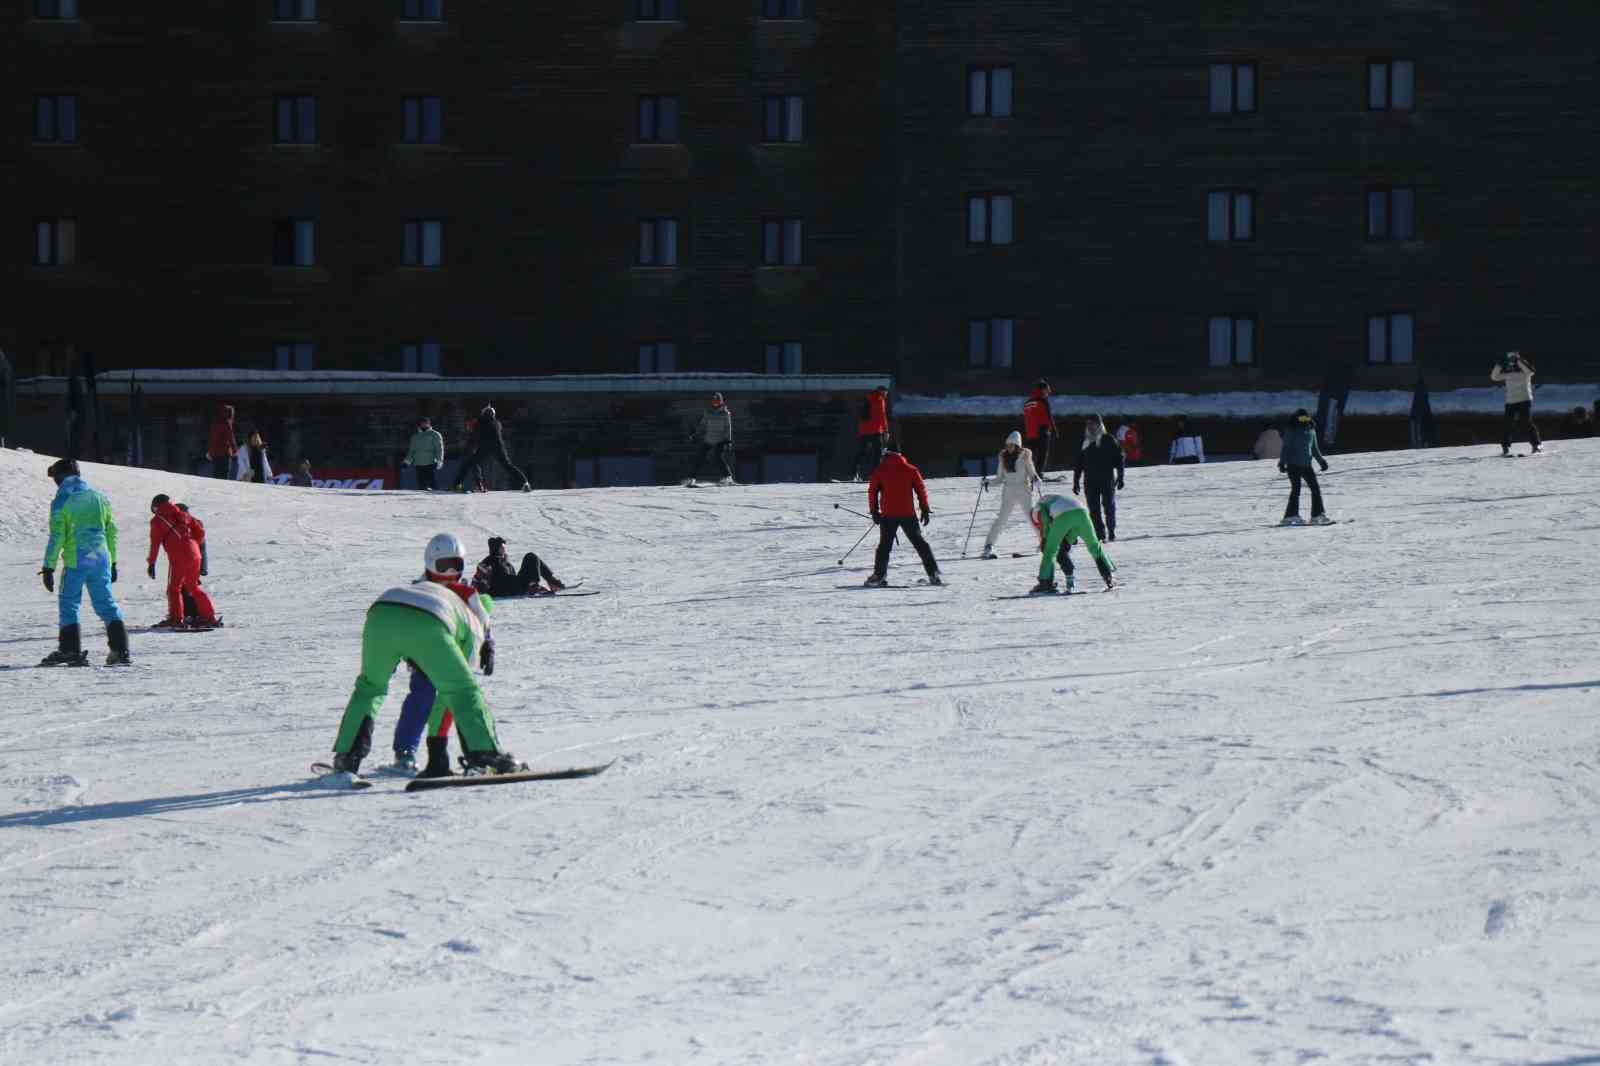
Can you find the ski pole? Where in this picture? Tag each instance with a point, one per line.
(968, 543)
(856, 545)
(846, 510)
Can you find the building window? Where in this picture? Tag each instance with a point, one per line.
(55, 242)
(422, 120)
(1390, 338)
(991, 342)
(55, 119)
(1392, 213)
(1391, 84)
(294, 355)
(785, 357)
(420, 358)
(1230, 215)
(1233, 340)
(294, 10)
(656, 11)
(658, 357)
(783, 119)
(294, 242)
(658, 120)
(989, 218)
(783, 242)
(424, 243)
(1233, 88)
(422, 10)
(790, 10)
(297, 120)
(56, 9)
(989, 91)
(658, 242)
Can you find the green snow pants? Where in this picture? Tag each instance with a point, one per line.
(1069, 528)
(394, 633)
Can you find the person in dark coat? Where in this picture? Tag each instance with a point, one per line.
(496, 576)
(894, 494)
(491, 445)
(1299, 449)
(1101, 468)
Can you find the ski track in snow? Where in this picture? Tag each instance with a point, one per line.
(1290, 795)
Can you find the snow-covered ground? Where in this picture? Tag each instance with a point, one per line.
(1289, 795)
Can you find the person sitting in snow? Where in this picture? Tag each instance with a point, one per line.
(496, 576)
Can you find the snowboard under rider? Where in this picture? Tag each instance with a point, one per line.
(496, 576)
(439, 623)
(1299, 449)
(83, 534)
(181, 536)
(1018, 478)
(1062, 521)
(894, 494)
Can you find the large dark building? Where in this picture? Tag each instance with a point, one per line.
(1123, 196)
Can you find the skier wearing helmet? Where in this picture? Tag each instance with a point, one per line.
(1017, 478)
(439, 623)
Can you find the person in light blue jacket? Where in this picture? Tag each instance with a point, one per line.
(83, 536)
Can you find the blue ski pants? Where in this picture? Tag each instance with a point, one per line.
(97, 576)
(417, 713)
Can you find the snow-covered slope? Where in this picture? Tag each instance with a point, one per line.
(1288, 795)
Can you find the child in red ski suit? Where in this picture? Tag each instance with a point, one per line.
(172, 529)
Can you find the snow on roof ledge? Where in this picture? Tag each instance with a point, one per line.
(1487, 400)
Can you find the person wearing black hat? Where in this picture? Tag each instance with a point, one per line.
(496, 576)
(491, 445)
(83, 534)
(714, 432)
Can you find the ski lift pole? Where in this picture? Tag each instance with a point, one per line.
(982, 484)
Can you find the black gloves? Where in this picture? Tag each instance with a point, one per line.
(113, 573)
(1120, 484)
(151, 570)
(877, 519)
(486, 657)
(927, 516)
(1283, 468)
(202, 570)
(49, 576)
(1324, 464)
(1077, 486)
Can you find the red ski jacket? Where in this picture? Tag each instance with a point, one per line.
(220, 441)
(897, 485)
(1036, 421)
(875, 415)
(172, 529)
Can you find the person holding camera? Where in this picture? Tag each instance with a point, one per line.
(1517, 376)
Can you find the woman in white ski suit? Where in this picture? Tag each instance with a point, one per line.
(1017, 478)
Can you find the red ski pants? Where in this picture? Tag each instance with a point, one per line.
(183, 575)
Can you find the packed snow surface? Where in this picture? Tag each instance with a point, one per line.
(1288, 795)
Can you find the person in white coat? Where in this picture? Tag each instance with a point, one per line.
(1017, 479)
(1517, 377)
(1187, 447)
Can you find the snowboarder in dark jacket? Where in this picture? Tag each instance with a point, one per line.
(1101, 468)
(496, 576)
(1299, 449)
(491, 445)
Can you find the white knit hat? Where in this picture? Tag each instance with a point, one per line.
(1014, 438)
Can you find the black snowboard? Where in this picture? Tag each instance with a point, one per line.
(428, 784)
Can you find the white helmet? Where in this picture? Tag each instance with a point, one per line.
(444, 546)
(1014, 438)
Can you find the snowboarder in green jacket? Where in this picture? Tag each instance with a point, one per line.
(83, 535)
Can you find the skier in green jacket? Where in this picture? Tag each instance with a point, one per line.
(1299, 449)
(83, 534)
(1062, 521)
(440, 624)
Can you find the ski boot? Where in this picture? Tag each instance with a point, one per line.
(438, 759)
(875, 581)
(1505, 451)
(936, 578)
(1321, 520)
(1043, 588)
(988, 552)
(1536, 448)
(491, 762)
(527, 486)
(1292, 520)
(727, 481)
(68, 652)
(1105, 572)
(405, 761)
(117, 638)
(556, 586)
(169, 623)
(1071, 584)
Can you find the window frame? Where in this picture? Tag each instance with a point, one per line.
(1387, 233)
(987, 72)
(783, 241)
(987, 201)
(414, 115)
(656, 11)
(1234, 68)
(56, 10)
(1387, 66)
(1235, 195)
(790, 129)
(414, 244)
(649, 131)
(991, 326)
(415, 355)
(57, 239)
(301, 7)
(54, 102)
(776, 358)
(1389, 318)
(297, 113)
(417, 10)
(1234, 318)
(656, 226)
(650, 355)
(286, 356)
(785, 10)
(291, 236)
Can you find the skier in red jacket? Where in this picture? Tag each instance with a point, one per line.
(172, 529)
(872, 429)
(893, 496)
(221, 446)
(1039, 425)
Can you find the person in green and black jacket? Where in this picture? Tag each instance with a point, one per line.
(1299, 449)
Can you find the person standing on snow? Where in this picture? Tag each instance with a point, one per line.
(894, 493)
(170, 528)
(221, 445)
(491, 445)
(1017, 478)
(83, 534)
(440, 624)
(1517, 376)
(252, 461)
(426, 453)
(1062, 521)
(1101, 468)
(1039, 425)
(1187, 447)
(191, 611)
(1299, 449)
(1128, 437)
(496, 576)
(714, 432)
(871, 430)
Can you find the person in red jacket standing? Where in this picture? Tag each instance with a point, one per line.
(221, 446)
(170, 528)
(1039, 425)
(1128, 437)
(872, 429)
(893, 496)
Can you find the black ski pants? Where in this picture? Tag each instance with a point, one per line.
(425, 475)
(887, 527)
(1040, 447)
(722, 450)
(1520, 415)
(867, 443)
(491, 451)
(533, 569)
(1102, 496)
(1298, 474)
(219, 466)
